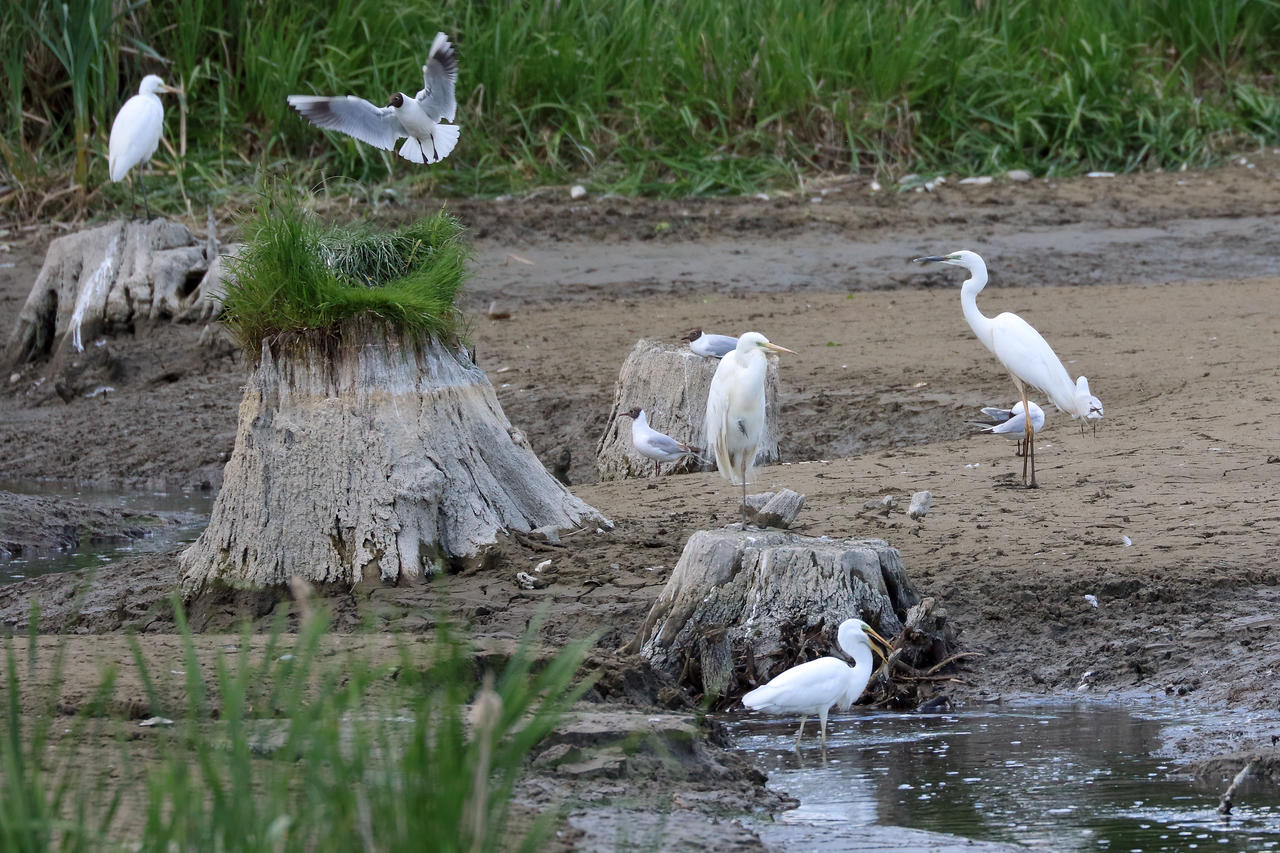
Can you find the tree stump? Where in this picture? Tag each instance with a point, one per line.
(743, 605)
(671, 383)
(111, 279)
(364, 456)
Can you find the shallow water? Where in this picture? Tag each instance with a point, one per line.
(1060, 778)
(190, 508)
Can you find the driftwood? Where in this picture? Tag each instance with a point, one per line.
(743, 605)
(670, 383)
(112, 279)
(370, 458)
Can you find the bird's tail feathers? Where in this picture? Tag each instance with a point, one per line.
(117, 175)
(445, 137)
(412, 151)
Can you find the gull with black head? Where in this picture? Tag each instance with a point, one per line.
(419, 117)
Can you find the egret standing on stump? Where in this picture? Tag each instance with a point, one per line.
(418, 117)
(1023, 352)
(811, 688)
(735, 409)
(135, 134)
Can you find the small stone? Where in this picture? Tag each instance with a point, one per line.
(156, 721)
(980, 180)
(875, 186)
(577, 191)
(921, 503)
(527, 581)
(14, 377)
(1092, 599)
(1100, 175)
(1020, 176)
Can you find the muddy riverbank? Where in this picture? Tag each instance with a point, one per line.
(1143, 570)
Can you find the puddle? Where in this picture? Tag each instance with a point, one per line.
(1060, 778)
(190, 508)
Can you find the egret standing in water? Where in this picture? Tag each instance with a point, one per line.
(811, 688)
(1023, 352)
(135, 134)
(418, 118)
(735, 409)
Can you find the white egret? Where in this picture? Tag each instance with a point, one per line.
(1023, 352)
(655, 445)
(710, 346)
(813, 687)
(135, 133)
(417, 118)
(735, 409)
(1011, 423)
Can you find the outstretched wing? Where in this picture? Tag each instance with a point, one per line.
(353, 116)
(439, 77)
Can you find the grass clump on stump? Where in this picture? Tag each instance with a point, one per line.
(296, 277)
(369, 447)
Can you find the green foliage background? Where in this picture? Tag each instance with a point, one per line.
(665, 97)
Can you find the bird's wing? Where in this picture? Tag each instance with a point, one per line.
(353, 116)
(135, 133)
(806, 685)
(667, 444)
(720, 345)
(716, 426)
(1027, 355)
(996, 414)
(439, 77)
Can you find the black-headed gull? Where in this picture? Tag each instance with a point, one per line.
(711, 346)
(418, 118)
(655, 445)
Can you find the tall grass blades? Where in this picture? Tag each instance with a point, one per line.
(296, 276)
(289, 743)
(664, 97)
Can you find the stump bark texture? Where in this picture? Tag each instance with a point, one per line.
(111, 279)
(671, 383)
(370, 458)
(743, 605)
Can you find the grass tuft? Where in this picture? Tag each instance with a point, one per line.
(284, 745)
(296, 277)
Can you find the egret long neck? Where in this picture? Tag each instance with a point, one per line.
(979, 322)
(862, 660)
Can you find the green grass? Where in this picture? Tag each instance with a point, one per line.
(637, 96)
(288, 748)
(296, 277)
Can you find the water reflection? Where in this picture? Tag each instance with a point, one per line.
(191, 509)
(1070, 779)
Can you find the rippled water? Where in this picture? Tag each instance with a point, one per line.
(191, 509)
(1063, 778)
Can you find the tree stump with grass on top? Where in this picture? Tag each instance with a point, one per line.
(369, 446)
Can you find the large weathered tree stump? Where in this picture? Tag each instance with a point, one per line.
(111, 279)
(363, 456)
(670, 383)
(743, 605)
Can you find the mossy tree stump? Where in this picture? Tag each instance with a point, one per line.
(670, 383)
